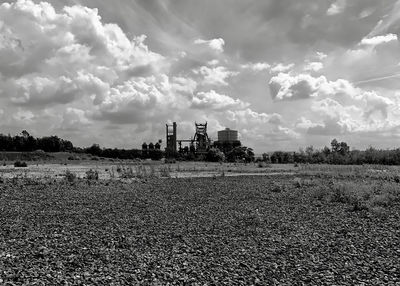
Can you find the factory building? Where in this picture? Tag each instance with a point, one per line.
(228, 135)
(227, 140)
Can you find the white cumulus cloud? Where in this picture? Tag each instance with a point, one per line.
(336, 7)
(377, 40)
(279, 68)
(215, 44)
(216, 75)
(213, 100)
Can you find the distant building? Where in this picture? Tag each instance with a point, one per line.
(228, 135)
(227, 140)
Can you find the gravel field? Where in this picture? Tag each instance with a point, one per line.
(248, 230)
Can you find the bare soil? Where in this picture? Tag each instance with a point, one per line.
(249, 230)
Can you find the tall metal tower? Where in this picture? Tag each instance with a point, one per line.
(171, 137)
(201, 138)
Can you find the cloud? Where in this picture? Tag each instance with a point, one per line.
(257, 67)
(24, 116)
(330, 127)
(39, 90)
(215, 75)
(213, 62)
(263, 128)
(377, 40)
(313, 66)
(248, 116)
(337, 7)
(142, 99)
(215, 101)
(73, 119)
(304, 86)
(279, 68)
(391, 21)
(292, 87)
(333, 109)
(215, 44)
(321, 56)
(50, 57)
(304, 123)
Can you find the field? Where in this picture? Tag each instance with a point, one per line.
(263, 225)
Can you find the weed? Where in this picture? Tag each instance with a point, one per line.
(152, 171)
(170, 161)
(165, 171)
(382, 200)
(298, 183)
(69, 176)
(111, 173)
(276, 188)
(141, 171)
(92, 175)
(126, 173)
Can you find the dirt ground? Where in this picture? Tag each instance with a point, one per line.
(122, 169)
(317, 227)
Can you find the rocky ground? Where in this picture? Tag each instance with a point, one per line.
(252, 230)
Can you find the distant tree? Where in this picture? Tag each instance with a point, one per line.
(151, 146)
(215, 155)
(266, 157)
(94, 150)
(249, 155)
(155, 154)
(144, 146)
(157, 146)
(25, 134)
(326, 151)
(240, 154)
(335, 145)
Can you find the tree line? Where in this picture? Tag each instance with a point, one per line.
(339, 153)
(144, 153)
(27, 143)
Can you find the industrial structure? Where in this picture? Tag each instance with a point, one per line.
(199, 144)
(171, 137)
(227, 140)
(227, 135)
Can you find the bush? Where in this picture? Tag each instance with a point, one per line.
(165, 171)
(170, 161)
(69, 176)
(20, 164)
(215, 155)
(92, 175)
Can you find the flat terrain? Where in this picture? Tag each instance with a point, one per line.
(123, 169)
(321, 226)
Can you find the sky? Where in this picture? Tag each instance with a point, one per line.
(285, 74)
